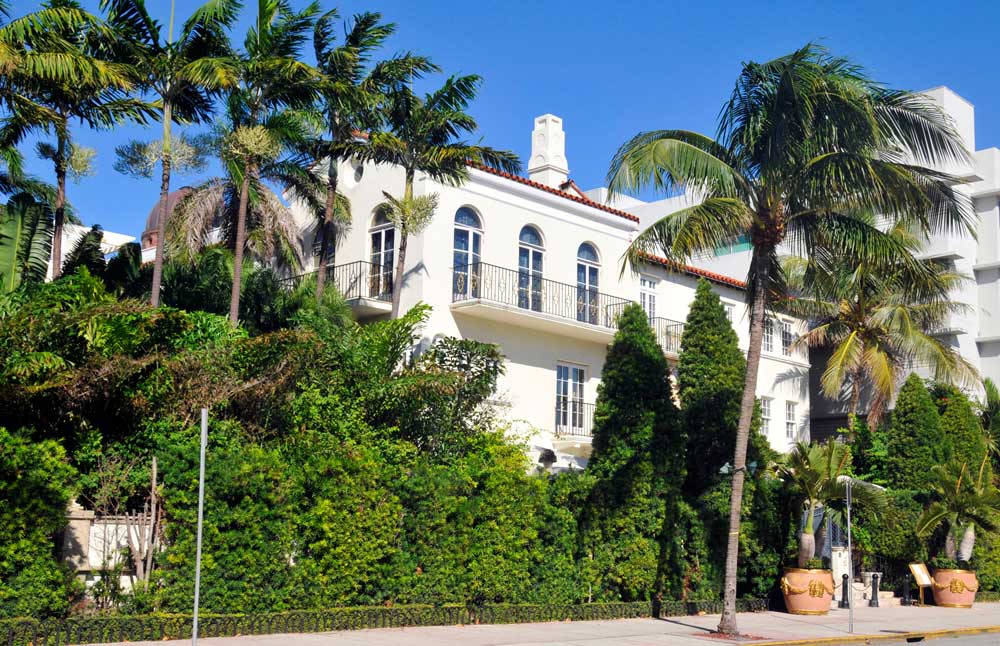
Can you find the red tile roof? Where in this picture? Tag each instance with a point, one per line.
(555, 191)
(696, 271)
(582, 199)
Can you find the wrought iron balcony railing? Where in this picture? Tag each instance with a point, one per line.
(527, 290)
(668, 333)
(359, 279)
(574, 417)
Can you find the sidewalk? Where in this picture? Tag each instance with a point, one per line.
(882, 623)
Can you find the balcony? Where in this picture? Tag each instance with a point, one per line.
(365, 286)
(574, 418)
(668, 335)
(523, 298)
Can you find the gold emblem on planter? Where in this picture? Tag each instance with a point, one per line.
(955, 586)
(815, 588)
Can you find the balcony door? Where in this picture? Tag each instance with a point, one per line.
(530, 260)
(383, 254)
(569, 399)
(588, 271)
(466, 255)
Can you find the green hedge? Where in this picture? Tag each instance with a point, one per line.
(118, 628)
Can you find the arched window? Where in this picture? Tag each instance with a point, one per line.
(383, 253)
(530, 259)
(466, 254)
(588, 269)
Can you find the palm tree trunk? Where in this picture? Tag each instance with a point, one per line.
(397, 282)
(949, 545)
(758, 305)
(161, 225)
(325, 229)
(968, 542)
(852, 411)
(241, 238)
(821, 537)
(60, 210)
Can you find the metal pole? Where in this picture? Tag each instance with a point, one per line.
(201, 513)
(850, 566)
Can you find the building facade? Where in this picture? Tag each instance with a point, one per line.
(534, 265)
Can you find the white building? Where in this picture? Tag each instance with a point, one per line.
(534, 265)
(71, 234)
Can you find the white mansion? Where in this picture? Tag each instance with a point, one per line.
(534, 265)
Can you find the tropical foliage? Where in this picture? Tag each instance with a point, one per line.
(422, 135)
(877, 322)
(806, 146)
(26, 229)
(965, 499)
(819, 475)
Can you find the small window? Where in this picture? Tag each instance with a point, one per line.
(729, 307)
(530, 236)
(588, 253)
(467, 217)
(790, 421)
(786, 338)
(768, 335)
(765, 415)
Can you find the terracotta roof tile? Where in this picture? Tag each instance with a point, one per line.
(696, 271)
(555, 191)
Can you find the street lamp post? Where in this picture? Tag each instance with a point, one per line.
(850, 564)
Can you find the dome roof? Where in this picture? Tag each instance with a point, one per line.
(153, 219)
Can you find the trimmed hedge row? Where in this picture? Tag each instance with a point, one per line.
(113, 628)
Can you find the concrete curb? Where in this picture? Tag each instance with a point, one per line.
(883, 637)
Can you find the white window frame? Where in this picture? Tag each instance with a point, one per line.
(791, 420)
(570, 416)
(768, 344)
(730, 311)
(647, 296)
(765, 414)
(787, 338)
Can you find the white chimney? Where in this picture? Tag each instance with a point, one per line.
(548, 152)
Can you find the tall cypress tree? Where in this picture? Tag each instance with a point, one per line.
(963, 432)
(710, 379)
(913, 440)
(637, 464)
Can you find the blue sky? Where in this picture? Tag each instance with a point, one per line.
(613, 69)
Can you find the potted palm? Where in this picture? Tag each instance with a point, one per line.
(817, 475)
(962, 501)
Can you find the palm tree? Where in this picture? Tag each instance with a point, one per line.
(210, 212)
(818, 474)
(88, 88)
(350, 97)
(877, 323)
(183, 74)
(421, 135)
(963, 501)
(271, 83)
(805, 143)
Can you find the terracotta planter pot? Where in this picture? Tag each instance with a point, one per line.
(807, 592)
(955, 588)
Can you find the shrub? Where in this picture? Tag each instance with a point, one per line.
(36, 486)
(913, 439)
(638, 467)
(710, 373)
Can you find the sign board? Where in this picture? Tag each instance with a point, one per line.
(920, 573)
